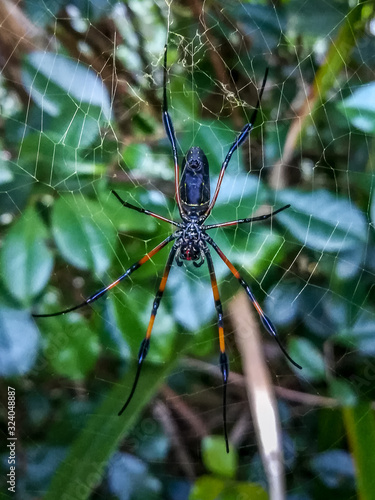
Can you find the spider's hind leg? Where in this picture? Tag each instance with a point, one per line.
(264, 319)
(146, 341)
(223, 360)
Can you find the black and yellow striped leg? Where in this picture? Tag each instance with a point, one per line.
(104, 290)
(266, 322)
(224, 365)
(143, 350)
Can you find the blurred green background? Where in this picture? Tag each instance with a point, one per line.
(80, 100)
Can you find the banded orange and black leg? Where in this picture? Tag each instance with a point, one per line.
(224, 365)
(104, 290)
(266, 322)
(143, 350)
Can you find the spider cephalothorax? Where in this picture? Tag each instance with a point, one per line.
(191, 241)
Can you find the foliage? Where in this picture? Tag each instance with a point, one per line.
(80, 95)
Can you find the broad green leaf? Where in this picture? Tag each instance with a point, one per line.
(361, 335)
(251, 248)
(84, 235)
(255, 250)
(372, 211)
(207, 488)
(216, 459)
(323, 221)
(360, 428)
(240, 195)
(141, 158)
(104, 430)
(19, 342)
(281, 304)
(126, 220)
(26, 261)
(307, 20)
(343, 391)
(131, 309)
(72, 347)
(317, 308)
(263, 22)
(52, 79)
(359, 107)
(309, 357)
(244, 490)
(6, 174)
(50, 161)
(191, 296)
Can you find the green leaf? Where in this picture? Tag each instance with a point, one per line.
(307, 19)
(360, 428)
(131, 311)
(26, 261)
(72, 348)
(84, 235)
(191, 296)
(6, 174)
(216, 459)
(50, 161)
(54, 79)
(104, 431)
(126, 220)
(323, 221)
(372, 211)
(263, 22)
(244, 491)
(361, 335)
(359, 107)
(207, 488)
(309, 357)
(19, 342)
(245, 249)
(280, 303)
(343, 391)
(240, 195)
(148, 163)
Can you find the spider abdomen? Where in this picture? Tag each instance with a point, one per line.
(195, 182)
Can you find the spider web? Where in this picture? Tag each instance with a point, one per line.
(81, 92)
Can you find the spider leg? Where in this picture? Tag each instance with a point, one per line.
(146, 341)
(101, 292)
(169, 130)
(241, 221)
(266, 322)
(240, 139)
(224, 365)
(144, 211)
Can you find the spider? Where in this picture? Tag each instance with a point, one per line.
(191, 241)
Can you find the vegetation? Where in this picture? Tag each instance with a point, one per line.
(80, 97)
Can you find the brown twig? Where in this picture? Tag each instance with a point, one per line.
(163, 415)
(182, 409)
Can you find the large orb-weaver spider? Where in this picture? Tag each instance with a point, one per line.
(191, 239)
